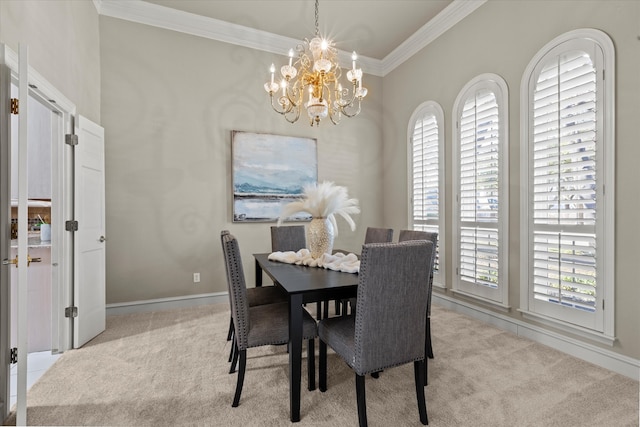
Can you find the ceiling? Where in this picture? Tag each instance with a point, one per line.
(384, 33)
(372, 28)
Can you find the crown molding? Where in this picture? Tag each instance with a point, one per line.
(171, 19)
(97, 4)
(450, 16)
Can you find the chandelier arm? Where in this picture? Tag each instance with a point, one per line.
(282, 110)
(290, 100)
(337, 73)
(343, 103)
(285, 112)
(346, 112)
(274, 106)
(332, 117)
(295, 117)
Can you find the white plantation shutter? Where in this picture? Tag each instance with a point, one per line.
(567, 161)
(564, 269)
(426, 146)
(479, 138)
(425, 169)
(479, 256)
(564, 182)
(481, 141)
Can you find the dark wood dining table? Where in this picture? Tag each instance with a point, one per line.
(303, 285)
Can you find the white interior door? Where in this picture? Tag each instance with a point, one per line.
(89, 239)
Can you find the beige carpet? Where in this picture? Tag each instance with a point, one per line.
(170, 368)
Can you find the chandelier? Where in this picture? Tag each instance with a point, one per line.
(313, 82)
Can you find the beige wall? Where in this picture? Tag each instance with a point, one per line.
(64, 46)
(502, 37)
(169, 104)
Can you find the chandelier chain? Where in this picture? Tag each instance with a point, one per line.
(317, 31)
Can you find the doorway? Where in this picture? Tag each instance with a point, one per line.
(76, 295)
(42, 284)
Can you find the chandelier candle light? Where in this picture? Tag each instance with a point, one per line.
(314, 77)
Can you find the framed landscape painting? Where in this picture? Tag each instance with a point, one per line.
(270, 171)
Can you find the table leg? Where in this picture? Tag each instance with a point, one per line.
(295, 354)
(258, 274)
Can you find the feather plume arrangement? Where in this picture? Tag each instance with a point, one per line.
(325, 200)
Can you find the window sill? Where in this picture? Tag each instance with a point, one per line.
(598, 337)
(483, 301)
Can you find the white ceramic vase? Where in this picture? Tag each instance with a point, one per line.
(320, 237)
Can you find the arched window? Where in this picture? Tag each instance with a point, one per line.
(567, 174)
(426, 176)
(480, 187)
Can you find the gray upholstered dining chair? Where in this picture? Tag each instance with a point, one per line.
(390, 286)
(260, 325)
(406, 235)
(288, 238)
(372, 235)
(256, 296)
(378, 235)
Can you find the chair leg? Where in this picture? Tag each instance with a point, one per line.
(230, 328)
(418, 368)
(311, 364)
(362, 400)
(319, 310)
(426, 377)
(345, 307)
(429, 349)
(243, 365)
(234, 361)
(233, 345)
(325, 311)
(322, 366)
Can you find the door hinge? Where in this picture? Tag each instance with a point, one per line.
(15, 105)
(71, 312)
(71, 225)
(71, 139)
(13, 357)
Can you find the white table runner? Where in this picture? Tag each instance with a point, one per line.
(348, 263)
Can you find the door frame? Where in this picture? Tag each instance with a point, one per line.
(62, 193)
(5, 250)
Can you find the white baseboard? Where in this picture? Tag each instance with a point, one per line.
(167, 303)
(599, 356)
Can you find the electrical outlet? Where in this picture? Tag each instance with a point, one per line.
(196, 277)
